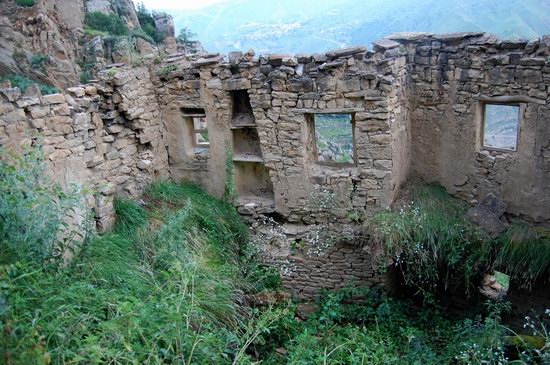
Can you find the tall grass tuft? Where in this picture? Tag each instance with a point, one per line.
(33, 210)
(431, 240)
(164, 286)
(524, 254)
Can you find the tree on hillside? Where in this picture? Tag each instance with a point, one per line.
(185, 38)
(147, 23)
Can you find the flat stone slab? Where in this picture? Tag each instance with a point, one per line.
(345, 52)
(206, 61)
(385, 43)
(457, 36)
(408, 36)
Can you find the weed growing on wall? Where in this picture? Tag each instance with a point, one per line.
(229, 193)
(34, 212)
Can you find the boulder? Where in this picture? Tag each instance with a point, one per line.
(487, 215)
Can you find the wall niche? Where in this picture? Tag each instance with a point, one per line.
(242, 115)
(252, 181)
(246, 145)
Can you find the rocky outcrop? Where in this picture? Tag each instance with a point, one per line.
(124, 8)
(53, 31)
(39, 31)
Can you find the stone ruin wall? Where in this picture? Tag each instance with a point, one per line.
(104, 138)
(416, 101)
(452, 78)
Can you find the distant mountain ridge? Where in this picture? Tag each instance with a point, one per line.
(291, 26)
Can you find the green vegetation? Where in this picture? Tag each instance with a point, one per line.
(37, 61)
(23, 83)
(186, 37)
(148, 25)
(27, 3)
(168, 285)
(109, 23)
(438, 248)
(524, 254)
(165, 70)
(33, 211)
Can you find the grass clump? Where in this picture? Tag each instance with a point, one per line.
(524, 254)
(109, 23)
(437, 248)
(432, 241)
(163, 287)
(23, 83)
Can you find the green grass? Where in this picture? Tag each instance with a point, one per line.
(109, 23)
(432, 241)
(23, 83)
(438, 248)
(524, 254)
(167, 285)
(164, 284)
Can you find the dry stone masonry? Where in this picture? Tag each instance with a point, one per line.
(416, 103)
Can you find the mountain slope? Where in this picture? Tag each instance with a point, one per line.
(318, 25)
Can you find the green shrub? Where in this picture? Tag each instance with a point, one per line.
(23, 83)
(110, 23)
(37, 61)
(148, 25)
(84, 77)
(432, 241)
(27, 3)
(33, 210)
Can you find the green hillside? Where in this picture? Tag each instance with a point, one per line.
(315, 26)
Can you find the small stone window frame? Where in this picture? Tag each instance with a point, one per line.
(196, 116)
(310, 119)
(490, 102)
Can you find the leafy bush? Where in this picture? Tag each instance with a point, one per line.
(23, 83)
(432, 241)
(110, 23)
(37, 61)
(33, 210)
(27, 3)
(148, 26)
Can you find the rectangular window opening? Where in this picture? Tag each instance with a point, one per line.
(500, 126)
(200, 132)
(334, 139)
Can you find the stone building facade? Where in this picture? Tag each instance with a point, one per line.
(417, 108)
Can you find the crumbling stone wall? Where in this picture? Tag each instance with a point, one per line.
(416, 100)
(417, 105)
(453, 76)
(106, 138)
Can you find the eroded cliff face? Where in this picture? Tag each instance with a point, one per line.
(41, 30)
(53, 30)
